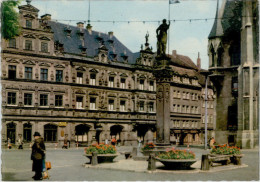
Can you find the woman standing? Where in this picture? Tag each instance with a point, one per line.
(38, 156)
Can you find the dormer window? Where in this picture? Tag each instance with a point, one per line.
(44, 46)
(28, 45)
(28, 23)
(12, 43)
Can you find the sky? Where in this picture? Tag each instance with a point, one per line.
(187, 38)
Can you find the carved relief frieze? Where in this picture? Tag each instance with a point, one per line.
(11, 60)
(29, 36)
(80, 68)
(79, 91)
(59, 66)
(44, 38)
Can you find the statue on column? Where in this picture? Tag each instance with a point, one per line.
(161, 33)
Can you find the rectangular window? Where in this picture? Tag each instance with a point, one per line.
(111, 81)
(111, 105)
(151, 86)
(44, 74)
(92, 103)
(174, 108)
(58, 100)
(12, 72)
(28, 72)
(79, 77)
(11, 98)
(122, 84)
(141, 106)
(122, 105)
(184, 95)
(28, 24)
(28, 45)
(188, 95)
(184, 109)
(141, 85)
(44, 47)
(79, 102)
(43, 100)
(188, 109)
(12, 43)
(178, 94)
(151, 107)
(27, 99)
(59, 75)
(92, 79)
(234, 85)
(179, 108)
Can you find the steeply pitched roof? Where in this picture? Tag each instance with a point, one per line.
(228, 19)
(91, 41)
(183, 61)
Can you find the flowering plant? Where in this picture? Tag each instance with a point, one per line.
(100, 149)
(148, 146)
(176, 154)
(225, 150)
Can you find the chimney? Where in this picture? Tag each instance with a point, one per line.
(46, 17)
(80, 25)
(111, 34)
(199, 61)
(174, 53)
(89, 28)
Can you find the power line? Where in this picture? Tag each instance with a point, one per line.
(152, 21)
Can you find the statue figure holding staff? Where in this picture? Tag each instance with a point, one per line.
(161, 33)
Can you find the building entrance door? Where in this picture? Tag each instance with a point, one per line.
(11, 130)
(27, 132)
(82, 133)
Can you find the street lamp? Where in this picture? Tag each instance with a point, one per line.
(206, 74)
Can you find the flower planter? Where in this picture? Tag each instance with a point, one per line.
(177, 163)
(236, 159)
(147, 152)
(102, 158)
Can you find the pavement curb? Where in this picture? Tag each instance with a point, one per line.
(216, 169)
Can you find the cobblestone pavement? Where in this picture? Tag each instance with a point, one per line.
(68, 165)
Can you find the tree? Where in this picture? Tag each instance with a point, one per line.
(10, 19)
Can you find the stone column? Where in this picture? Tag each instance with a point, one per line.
(163, 74)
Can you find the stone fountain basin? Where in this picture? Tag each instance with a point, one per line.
(103, 158)
(177, 163)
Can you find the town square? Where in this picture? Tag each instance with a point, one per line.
(130, 90)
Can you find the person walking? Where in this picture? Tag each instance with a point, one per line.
(38, 156)
(211, 143)
(9, 145)
(65, 145)
(20, 143)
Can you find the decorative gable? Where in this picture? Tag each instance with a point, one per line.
(44, 64)
(44, 38)
(29, 62)
(13, 61)
(93, 71)
(111, 74)
(59, 66)
(80, 69)
(111, 95)
(80, 91)
(29, 16)
(123, 75)
(29, 36)
(93, 93)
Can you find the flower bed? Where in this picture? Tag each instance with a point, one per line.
(225, 150)
(100, 149)
(148, 146)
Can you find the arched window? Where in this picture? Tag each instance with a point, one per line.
(50, 133)
(115, 131)
(220, 56)
(82, 133)
(234, 53)
(212, 51)
(27, 132)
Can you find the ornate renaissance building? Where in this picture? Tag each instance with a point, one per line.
(71, 81)
(233, 49)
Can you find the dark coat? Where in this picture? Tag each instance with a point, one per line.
(38, 154)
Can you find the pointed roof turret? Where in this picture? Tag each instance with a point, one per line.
(217, 29)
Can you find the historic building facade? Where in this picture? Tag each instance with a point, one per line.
(71, 81)
(234, 63)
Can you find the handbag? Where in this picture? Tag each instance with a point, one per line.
(48, 165)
